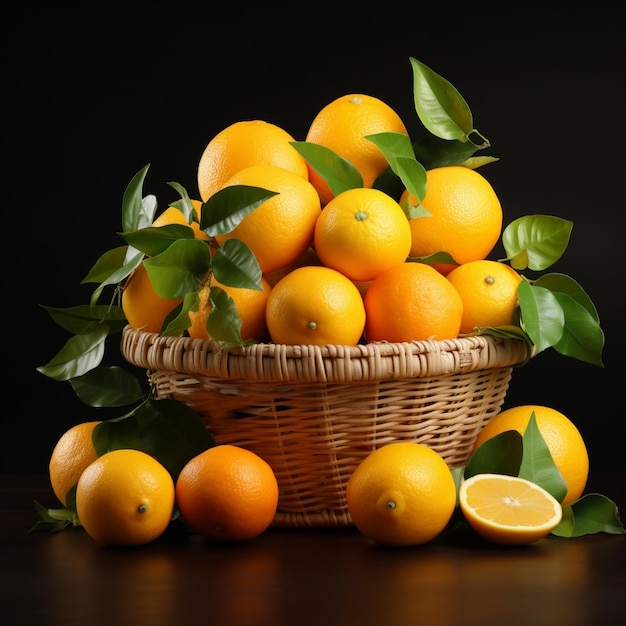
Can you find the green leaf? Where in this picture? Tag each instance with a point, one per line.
(591, 514)
(107, 387)
(120, 433)
(509, 332)
(156, 239)
(435, 257)
(474, 163)
(458, 474)
(80, 354)
(413, 209)
(177, 321)
(397, 149)
(226, 208)
(223, 322)
(392, 145)
(54, 520)
(501, 454)
(137, 213)
(506, 332)
(566, 321)
(339, 174)
(434, 152)
(168, 430)
(81, 319)
(111, 268)
(536, 241)
(184, 205)
(235, 265)
(107, 264)
(542, 316)
(582, 337)
(438, 104)
(537, 463)
(181, 268)
(561, 283)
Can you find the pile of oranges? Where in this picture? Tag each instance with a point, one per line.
(348, 267)
(126, 497)
(401, 494)
(341, 239)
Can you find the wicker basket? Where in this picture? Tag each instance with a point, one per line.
(313, 413)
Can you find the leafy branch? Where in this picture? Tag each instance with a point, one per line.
(179, 266)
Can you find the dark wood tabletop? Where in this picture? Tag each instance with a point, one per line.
(297, 577)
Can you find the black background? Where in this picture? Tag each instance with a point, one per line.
(93, 96)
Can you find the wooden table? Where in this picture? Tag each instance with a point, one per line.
(299, 577)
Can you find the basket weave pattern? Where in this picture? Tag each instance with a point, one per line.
(313, 413)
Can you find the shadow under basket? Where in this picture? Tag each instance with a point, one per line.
(315, 412)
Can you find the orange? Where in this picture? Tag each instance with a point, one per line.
(143, 307)
(402, 494)
(342, 126)
(361, 233)
(465, 216)
(242, 144)
(173, 215)
(72, 453)
(125, 498)
(489, 293)
(280, 229)
(563, 439)
(508, 510)
(412, 302)
(227, 493)
(250, 303)
(315, 305)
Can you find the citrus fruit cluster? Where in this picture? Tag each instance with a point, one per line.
(127, 497)
(341, 268)
(355, 234)
(404, 494)
(401, 494)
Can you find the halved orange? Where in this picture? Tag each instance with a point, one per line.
(507, 509)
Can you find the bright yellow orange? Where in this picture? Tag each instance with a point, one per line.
(361, 233)
(412, 302)
(242, 144)
(280, 229)
(508, 510)
(563, 439)
(250, 303)
(227, 493)
(465, 216)
(315, 305)
(402, 494)
(125, 498)
(172, 215)
(72, 453)
(342, 126)
(143, 307)
(489, 293)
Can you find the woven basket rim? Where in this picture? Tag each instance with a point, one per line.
(321, 364)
